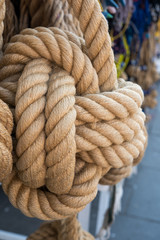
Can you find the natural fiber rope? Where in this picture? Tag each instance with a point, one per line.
(10, 22)
(97, 30)
(50, 13)
(61, 230)
(105, 154)
(145, 78)
(6, 121)
(6, 125)
(150, 99)
(109, 125)
(76, 124)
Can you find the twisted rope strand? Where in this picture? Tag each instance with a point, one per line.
(76, 124)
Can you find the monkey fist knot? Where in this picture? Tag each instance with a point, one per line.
(71, 130)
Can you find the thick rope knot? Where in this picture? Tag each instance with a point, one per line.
(6, 125)
(69, 134)
(61, 230)
(76, 124)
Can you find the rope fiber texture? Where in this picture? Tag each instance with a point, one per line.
(48, 13)
(6, 125)
(60, 230)
(6, 120)
(75, 124)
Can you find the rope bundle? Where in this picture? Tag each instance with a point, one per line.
(145, 73)
(150, 99)
(48, 13)
(75, 124)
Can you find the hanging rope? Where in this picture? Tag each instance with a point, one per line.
(61, 230)
(75, 124)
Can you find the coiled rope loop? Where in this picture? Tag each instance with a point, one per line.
(75, 122)
(6, 125)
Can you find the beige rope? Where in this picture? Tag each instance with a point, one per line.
(50, 13)
(150, 99)
(146, 78)
(6, 121)
(76, 124)
(97, 28)
(10, 22)
(42, 143)
(61, 230)
(6, 125)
